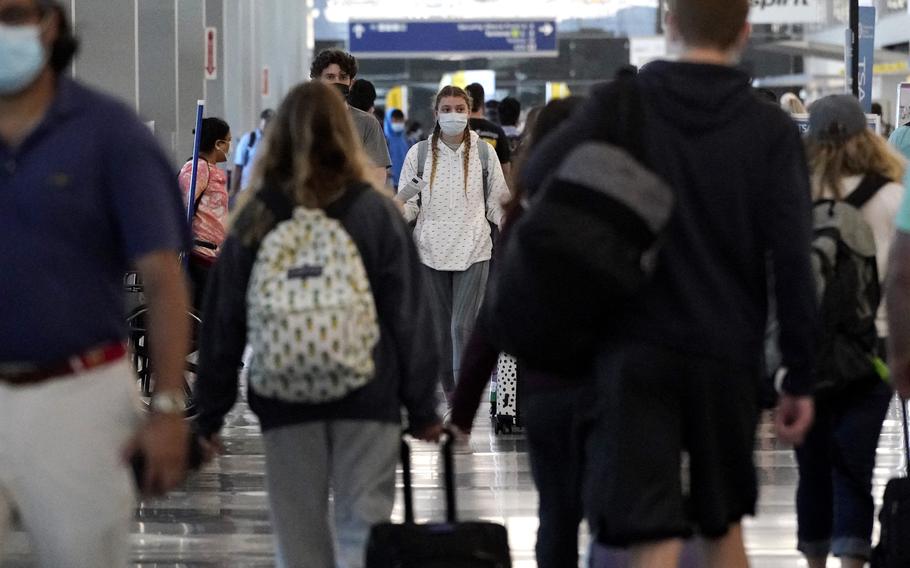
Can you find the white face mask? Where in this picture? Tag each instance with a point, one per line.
(21, 57)
(225, 150)
(452, 123)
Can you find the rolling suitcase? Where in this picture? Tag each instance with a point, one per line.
(451, 544)
(893, 550)
(504, 407)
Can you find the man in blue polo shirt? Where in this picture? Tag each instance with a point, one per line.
(85, 193)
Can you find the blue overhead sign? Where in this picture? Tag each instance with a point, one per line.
(491, 38)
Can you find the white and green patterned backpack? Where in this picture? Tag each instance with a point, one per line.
(311, 316)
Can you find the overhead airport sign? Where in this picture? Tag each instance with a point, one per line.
(489, 38)
(786, 11)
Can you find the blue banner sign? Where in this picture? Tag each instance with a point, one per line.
(491, 38)
(866, 56)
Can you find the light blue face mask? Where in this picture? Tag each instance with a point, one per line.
(397, 127)
(21, 57)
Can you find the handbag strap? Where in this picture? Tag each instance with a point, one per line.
(208, 175)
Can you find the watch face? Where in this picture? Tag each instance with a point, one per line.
(168, 403)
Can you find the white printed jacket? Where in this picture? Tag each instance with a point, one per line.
(452, 231)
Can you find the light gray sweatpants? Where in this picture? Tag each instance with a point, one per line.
(356, 460)
(456, 299)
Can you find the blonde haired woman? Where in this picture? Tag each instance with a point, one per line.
(312, 161)
(834, 496)
(453, 215)
(792, 104)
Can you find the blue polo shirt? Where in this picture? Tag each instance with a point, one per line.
(86, 194)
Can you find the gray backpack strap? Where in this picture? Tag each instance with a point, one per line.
(422, 147)
(483, 150)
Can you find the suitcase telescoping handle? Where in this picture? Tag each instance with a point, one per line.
(906, 432)
(448, 459)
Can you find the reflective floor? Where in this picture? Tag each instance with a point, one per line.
(221, 517)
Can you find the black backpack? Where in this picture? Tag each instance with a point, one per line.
(586, 244)
(843, 260)
(893, 550)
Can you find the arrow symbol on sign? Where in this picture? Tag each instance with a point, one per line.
(359, 30)
(210, 54)
(547, 29)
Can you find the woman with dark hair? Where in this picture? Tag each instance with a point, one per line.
(308, 196)
(552, 408)
(362, 95)
(210, 205)
(453, 211)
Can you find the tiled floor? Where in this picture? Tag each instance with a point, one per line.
(221, 519)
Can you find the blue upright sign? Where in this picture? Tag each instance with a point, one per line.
(866, 56)
(491, 38)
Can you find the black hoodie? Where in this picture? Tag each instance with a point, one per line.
(407, 361)
(739, 171)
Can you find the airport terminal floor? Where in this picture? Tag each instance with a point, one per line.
(221, 517)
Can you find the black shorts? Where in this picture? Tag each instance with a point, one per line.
(654, 405)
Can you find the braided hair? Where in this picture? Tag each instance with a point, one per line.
(450, 91)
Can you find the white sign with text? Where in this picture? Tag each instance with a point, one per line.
(786, 11)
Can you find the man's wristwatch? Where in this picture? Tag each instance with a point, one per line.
(168, 402)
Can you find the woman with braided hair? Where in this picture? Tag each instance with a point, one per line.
(454, 207)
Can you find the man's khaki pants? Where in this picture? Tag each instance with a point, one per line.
(61, 466)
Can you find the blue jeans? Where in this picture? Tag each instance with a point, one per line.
(834, 503)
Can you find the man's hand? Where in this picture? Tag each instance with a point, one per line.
(164, 443)
(212, 447)
(431, 433)
(793, 418)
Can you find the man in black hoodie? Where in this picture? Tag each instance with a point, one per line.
(680, 370)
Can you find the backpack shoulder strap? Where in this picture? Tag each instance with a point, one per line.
(252, 141)
(628, 120)
(483, 150)
(422, 148)
(867, 189)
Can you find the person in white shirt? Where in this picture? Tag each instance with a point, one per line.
(834, 504)
(454, 216)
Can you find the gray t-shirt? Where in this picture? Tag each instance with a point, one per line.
(371, 137)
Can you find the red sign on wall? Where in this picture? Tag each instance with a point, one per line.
(211, 53)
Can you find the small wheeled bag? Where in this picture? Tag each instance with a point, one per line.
(450, 544)
(893, 550)
(504, 407)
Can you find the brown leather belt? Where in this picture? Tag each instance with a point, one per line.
(31, 374)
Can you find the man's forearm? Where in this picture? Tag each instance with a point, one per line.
(168, 325)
